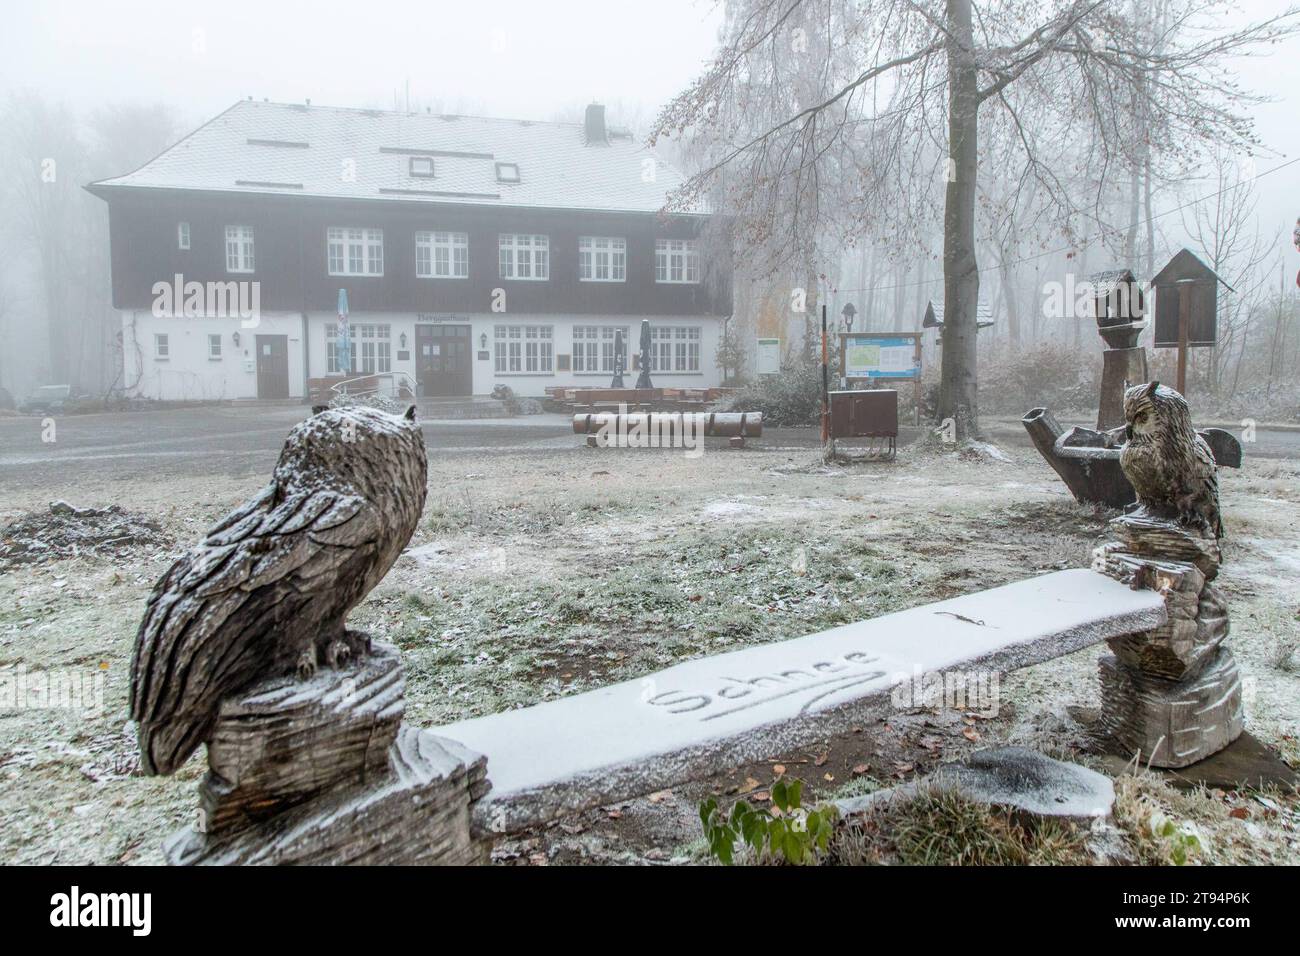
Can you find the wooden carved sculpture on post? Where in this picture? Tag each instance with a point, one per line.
(1172, 694)
(305, 765)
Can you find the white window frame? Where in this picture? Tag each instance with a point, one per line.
(507, 172)
(602, 259)
(523, 349)
(442, 255)
(331, 348)
(524, 257)
(593, 349)
(162, 349)
(677, 261)
(374, 348)
(239, 249)
(354, 251)
(423, 171)
(675, 349)
(214, 347)
(183, 235)
(585, 350)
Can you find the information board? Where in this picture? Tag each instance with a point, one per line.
(880, 357)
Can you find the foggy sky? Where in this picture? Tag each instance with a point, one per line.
(494, 57)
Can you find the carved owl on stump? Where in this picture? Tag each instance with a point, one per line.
(1170, 466)
(268, 590)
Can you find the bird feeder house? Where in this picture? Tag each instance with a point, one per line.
(1118, 307)
(1186, 308)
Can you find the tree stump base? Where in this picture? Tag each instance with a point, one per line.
(325, 771)
(1171, 694)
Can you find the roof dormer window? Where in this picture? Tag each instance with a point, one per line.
(507, 172)
(421, 166)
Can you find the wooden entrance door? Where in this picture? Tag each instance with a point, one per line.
(443, 359)
(272, 366)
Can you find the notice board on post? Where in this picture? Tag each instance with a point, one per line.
(867, 358)
(880, 355)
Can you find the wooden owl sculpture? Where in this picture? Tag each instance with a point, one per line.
(1171, 468)
(267, 591)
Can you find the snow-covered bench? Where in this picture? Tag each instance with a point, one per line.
(695, 718)
(327, 771)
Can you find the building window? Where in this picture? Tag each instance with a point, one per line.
(442, 255)
(674, 348)
(331, 349)
(421, 166)
(214, 347)
(507, 172)
(525, 257)
(182, 235)
(161, 347)
(586, 348)
(239, 248)
(371, 346)
(524, 349)
(677, 260)
(375, 350)
(593, 347)
(354, 252)
(602, 259)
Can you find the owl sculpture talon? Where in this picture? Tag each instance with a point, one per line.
(307, 664)
(338, 653)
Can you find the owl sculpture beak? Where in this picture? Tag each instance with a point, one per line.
(1128, 432)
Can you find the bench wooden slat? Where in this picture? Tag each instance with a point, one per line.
(698, 717)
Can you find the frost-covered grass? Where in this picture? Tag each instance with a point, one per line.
(537, 576)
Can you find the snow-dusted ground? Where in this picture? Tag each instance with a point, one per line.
(537, 575)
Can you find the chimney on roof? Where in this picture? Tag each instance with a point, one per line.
(595, 125)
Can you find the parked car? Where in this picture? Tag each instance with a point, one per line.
(48, 399)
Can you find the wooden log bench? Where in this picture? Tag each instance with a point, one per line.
(326, 771)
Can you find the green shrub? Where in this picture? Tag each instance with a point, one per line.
(797, 835)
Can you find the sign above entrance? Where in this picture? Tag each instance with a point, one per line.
(435, 317)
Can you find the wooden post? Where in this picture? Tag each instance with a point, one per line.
(826, 401)
(1184, 317)
(916, 382)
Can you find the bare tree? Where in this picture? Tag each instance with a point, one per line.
(834, 114)
(1223, 230)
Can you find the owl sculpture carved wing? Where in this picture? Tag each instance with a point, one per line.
(267, 590)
